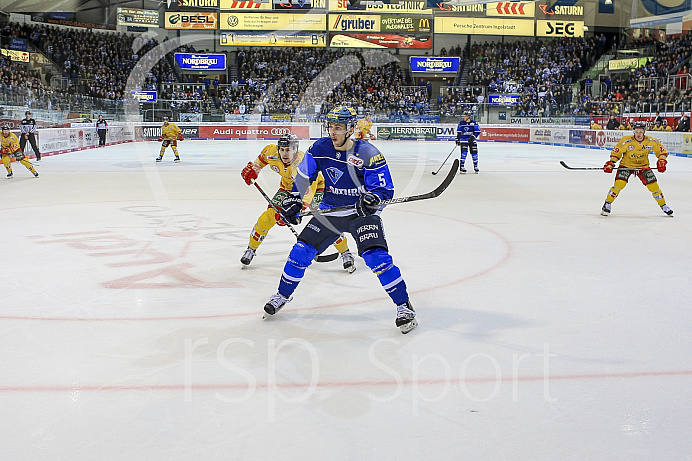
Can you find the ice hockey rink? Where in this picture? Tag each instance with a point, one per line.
(131, 331)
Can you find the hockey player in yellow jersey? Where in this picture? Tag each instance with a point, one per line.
(9, 145)
(170, 135)
(363, 128)
(633, 153)
(282, 158)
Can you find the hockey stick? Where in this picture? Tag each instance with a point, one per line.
(412, 198)
(443, 163)
(318, 258)
(601, 168)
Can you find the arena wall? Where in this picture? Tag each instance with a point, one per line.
(54, 141)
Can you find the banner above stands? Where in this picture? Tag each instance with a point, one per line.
(54, 141)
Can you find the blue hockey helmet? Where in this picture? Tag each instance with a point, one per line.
(343, 114)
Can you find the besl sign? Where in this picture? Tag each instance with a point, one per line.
(556, 28)
(190, 20)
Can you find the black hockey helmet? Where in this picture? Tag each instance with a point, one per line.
(639, 124)
(165, 119)
(288, 140)
(5, 127)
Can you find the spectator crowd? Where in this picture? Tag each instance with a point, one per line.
(545, 74)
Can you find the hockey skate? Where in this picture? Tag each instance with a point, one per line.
(275, 304)
(666, 209)
(475, 169)
(405, 317)
(9, 175)
(247, 256)
(605, 211)
(462, 170)
(36, 176)
(158, 159)
(177, 160)
(349, 261)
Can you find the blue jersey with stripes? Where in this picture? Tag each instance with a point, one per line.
(467, 129)
(347, 175)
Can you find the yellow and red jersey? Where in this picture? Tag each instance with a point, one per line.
(363, 128)
(270, 156)
(635, 154)
(10, 142)
(170, 131)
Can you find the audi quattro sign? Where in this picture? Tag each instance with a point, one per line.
(253, 132)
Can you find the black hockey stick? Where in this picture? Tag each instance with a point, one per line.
(443, 163)
(412, 198)
(318, 258)
(600, 168)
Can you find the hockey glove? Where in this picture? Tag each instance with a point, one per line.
(160, 138)
(279, 219)
(249, 173)
(608, 167)
(5, 151)
(368, 204)
(661, 164)
(180, 136)
(291, 208)
(458, 142)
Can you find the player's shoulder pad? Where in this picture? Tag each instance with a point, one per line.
(322, 143)
(370, 155)
(270, 152)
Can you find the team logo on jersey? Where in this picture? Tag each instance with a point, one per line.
(334, 174)
(630, 147)
(355, 161)
(276, 168)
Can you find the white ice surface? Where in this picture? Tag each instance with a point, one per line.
(130, 331)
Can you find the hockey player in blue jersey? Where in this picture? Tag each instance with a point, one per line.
(355, 173)
(467, 132)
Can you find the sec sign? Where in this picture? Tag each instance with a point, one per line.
(559, 28)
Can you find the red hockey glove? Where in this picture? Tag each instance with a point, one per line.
(6, 151)
(160, 138)
(180, 136)
(279, 219)
(249, 173)
(608, 167)
(661, 164)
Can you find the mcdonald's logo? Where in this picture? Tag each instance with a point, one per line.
(424, 24)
